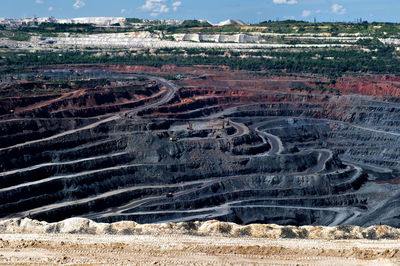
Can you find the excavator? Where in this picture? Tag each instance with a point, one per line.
(190, 127)
(171, 138)
(227, 124)
(220, 132)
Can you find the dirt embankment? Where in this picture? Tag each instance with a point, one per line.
(209, 228)
(379, 85)
(85, 242)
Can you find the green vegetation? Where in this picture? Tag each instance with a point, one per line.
(330, 62)
(374, 29)
(194, 23)
(56, 27)
(187, 26)
(134, 20)
(14, 35)
(171, 77)
(52, 29)
(371, 43)
(377, 29)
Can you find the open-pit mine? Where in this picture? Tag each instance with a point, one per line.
(186, 142)
(117, 144)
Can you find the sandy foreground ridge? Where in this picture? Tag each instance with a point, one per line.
(82, 241)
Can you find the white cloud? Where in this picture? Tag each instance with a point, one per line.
(124, 11)
(50, 8)
(285, 2)
(78, 4)
(259, 13)
(289, 17)
(39, 1)
(156, 7)
(176, 4)
(338, 9)
(306, 13)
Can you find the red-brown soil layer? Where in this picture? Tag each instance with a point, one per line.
(378, 85)
(87, 101)
(227, 86)
(205, 86)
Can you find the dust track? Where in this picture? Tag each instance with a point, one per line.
(172, 249)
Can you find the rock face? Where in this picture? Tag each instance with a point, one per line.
(151, 40)
(219, 38)
(209, 228)
(161, 152)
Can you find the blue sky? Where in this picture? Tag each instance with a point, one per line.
(250, 11)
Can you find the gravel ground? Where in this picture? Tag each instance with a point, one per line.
(193, 250)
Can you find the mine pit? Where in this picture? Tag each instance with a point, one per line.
(111, 144)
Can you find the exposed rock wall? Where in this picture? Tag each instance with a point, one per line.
(149, 40)
(219, 38)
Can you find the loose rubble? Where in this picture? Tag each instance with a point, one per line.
(209, 228)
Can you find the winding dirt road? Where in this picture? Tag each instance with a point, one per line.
(274, 141)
